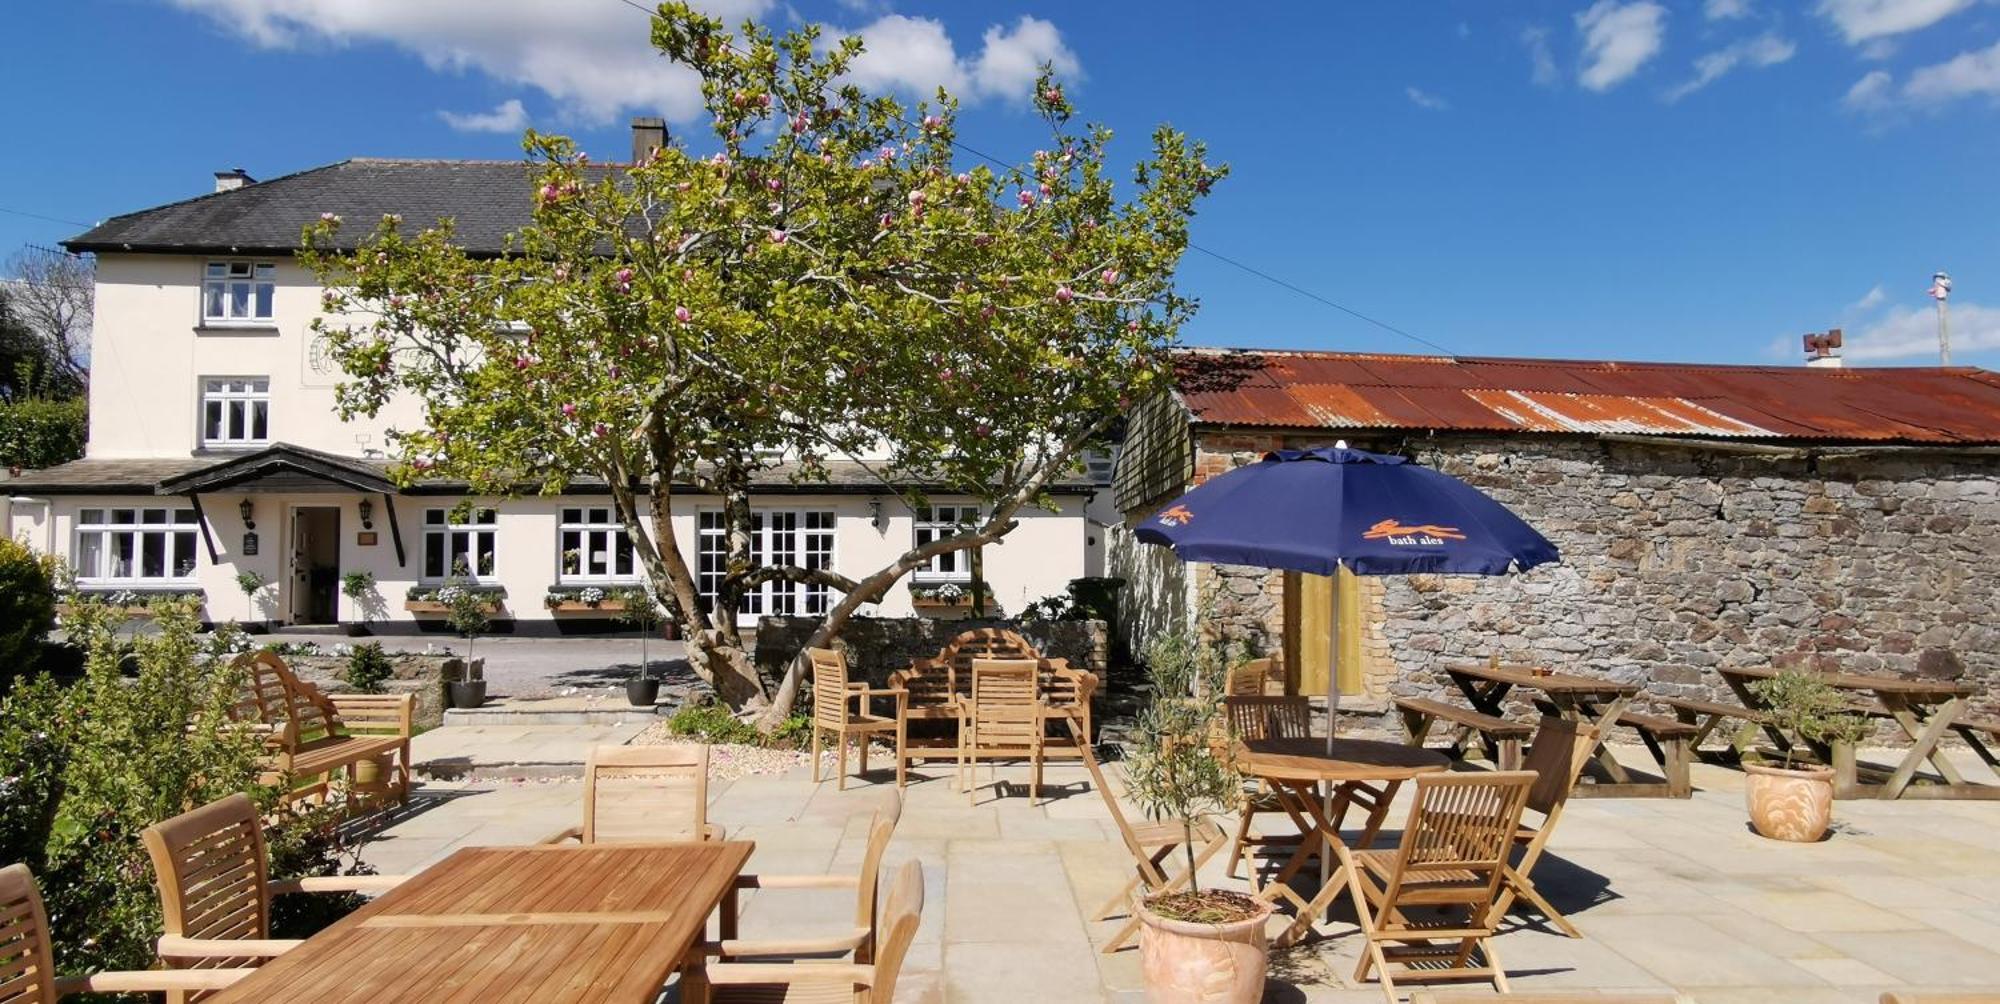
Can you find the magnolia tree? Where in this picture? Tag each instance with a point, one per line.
(828, 285)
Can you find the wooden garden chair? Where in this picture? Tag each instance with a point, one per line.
(1250, 718)
(1004, 720)
(644, 794)
(841, 708)
(1251, 679)
(215, 884)
(859, 943)
(1152, 844)
(1480, 997)
(1429, 904)
(872, 982)
(1561, 748)
(27, 956)
(310, 737)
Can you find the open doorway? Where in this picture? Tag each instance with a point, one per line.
(315, 595)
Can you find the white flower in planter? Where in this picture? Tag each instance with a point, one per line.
(591, 596)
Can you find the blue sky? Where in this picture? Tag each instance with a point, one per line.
(1699, 181)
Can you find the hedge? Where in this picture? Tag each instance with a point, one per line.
(38, 433)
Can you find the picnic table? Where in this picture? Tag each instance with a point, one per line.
(1295, 769)
(1589, 700)
(1925, 710)
(599, 923)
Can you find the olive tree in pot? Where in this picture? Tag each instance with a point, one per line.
(1796, 803)
(252, 583)
(1200, 946)
(465, 612)
(359, 587)
(642, 610)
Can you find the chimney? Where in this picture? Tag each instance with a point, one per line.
(1823, 351)
(649, 134)
(232, 179)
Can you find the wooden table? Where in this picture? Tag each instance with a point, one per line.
(1295, 769)
(1924, 709)
(1591, 700)
(597, 923)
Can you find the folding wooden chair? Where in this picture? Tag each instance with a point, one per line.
(644, 794)
(1258, 717)
(1561, 749)
(841, 708)
(1151, 844)
(1441, 883)
(215, 887)
(27, 956)
(1003, 720)
(858, 943)
(859, 982)
(1251, 679)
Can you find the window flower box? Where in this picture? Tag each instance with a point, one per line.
(423, 601)
(591, 599)
(132, 604)
(941, 595)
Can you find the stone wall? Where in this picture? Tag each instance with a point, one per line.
(422, 675)
(1676, 560)
(879, 646)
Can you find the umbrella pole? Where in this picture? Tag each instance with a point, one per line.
(1333, 662)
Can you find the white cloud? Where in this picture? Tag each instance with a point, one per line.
(1861, 20)
(508, 116)
(1725, 10)
(1768, 49)
(915, 55)
(1543, 60)
(1869, 300)
(1618, 38)
(1967, 75)
(1464, 30)
(1911, 333)
(1426, 100)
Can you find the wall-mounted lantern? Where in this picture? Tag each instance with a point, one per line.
(246, 510)
(875, 514)
(366, 509)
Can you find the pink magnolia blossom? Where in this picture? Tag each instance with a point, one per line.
(774, 185)
(799, 122)
(329, 218)
(917, 197)
(683, 315)
(568, 410)
(888, 220)
(779, 236)
(1026, 198)
(1046, 191)
(600, 430)
(523, 362)
(1109, 277)
(964, 179)
(932, 122)
(1064, 294)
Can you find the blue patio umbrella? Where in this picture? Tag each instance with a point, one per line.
(1316, 511)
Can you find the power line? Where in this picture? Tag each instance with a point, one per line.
(38, 216)
(1217, 255)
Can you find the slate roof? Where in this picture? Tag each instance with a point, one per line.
(486, 199)
(1956, 406)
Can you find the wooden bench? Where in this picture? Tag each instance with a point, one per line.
(935, 686)
(1707, 717)
(1502, 738)
(1669, 740)
(310, 737)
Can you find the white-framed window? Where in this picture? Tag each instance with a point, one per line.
(237, 292)
(799, 537)
(235, 411)
(135, 546)
(938, 521)
(461, 544)
(593, 547)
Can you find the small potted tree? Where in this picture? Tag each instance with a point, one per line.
(368, 668)
(642, 610)
(1200, 946)
(1788, 802)
(465, 611)
(251, 582)
(359, 588)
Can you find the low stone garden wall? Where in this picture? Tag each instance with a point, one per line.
(878, 646)
(413, 673)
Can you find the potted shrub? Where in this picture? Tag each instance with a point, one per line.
(1788, 802)
(367, 667)
(1198, 946)
(359, 588)
(465, 611)
(642, 610)
(251, 582)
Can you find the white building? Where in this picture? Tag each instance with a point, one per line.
(215, 449)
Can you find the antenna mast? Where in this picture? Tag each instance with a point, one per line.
(1941, 292)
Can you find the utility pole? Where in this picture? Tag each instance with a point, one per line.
(1941, 292)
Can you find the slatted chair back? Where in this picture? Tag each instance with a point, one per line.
(27, 961)
(1562, 746)
(295, 711)
(213, 873)
(829, 675)
(1251, 679)
(1252, 718)
(866, 900)
(645, 794)
(1006, 702)
(968, 647)
(901, 915)
(1458, 838)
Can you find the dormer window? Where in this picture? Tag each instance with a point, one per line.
(238, 292)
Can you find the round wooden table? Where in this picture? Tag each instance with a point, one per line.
(1361, 771)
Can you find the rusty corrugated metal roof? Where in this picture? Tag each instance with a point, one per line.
(1340, 390)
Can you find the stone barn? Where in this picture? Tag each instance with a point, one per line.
(1707, 515)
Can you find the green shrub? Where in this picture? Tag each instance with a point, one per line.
(367, 667)
(712, 723)
(91, 766)
(27, 607)
(795, 732)
(41, 433)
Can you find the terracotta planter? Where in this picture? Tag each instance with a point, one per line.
(1794, 805)
(1188, 963)
(580, 607)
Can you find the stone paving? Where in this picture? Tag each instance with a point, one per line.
(1669, 894)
